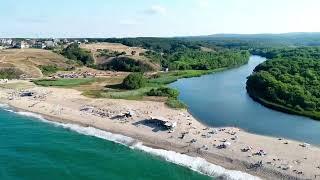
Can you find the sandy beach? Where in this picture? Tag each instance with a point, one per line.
(229, 147)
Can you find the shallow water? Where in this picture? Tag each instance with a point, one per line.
(31, 149)
(221, 99)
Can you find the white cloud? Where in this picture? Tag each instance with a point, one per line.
(156, 9)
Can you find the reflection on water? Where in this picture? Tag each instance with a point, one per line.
(221, 99)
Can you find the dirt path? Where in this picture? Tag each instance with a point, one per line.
(3, 58)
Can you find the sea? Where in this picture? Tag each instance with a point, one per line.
(32, 147)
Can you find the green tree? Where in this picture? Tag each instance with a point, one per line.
(134, 81)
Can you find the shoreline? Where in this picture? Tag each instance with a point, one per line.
(281, 108)
(146, 142)
(230, 158)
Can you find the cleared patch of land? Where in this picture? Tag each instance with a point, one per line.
(136, 53)
(17, 84)
(95, 47)
(206, 49)
(29, 60)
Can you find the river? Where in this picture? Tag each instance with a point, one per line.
(220, 99)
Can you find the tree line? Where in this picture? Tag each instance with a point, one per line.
(178, 54)
(290, 78)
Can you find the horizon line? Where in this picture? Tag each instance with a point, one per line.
(178, 36)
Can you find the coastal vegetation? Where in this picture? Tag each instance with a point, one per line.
(74, 52)
(127, 64)
(10, 73)
(178, 54)
(288, 81)
(178, 59)
(34, 63)
(175, 103)
(164, 91)
(134, 81)
(200, 60)
(64, 82)
(195, 56)
(254, 41)
(48, 69)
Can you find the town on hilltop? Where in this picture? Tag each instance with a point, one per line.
(50, 43)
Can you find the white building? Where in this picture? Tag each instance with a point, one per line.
(22, 45)
(39, 45)
(5, 42)
(56, 41)
(49, 44)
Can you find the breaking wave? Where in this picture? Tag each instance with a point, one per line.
(195, 163)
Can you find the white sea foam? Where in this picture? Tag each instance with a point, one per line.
(194, 163)
(30, 114)
(197, 164)
(4, 105)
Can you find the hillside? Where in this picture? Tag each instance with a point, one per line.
(29, 61)
(107, 54)
(247, 41)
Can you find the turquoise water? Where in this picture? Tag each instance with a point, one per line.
(31, 149)
(221, 99)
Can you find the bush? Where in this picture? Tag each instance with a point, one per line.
(175, 103)
(164, 91)
(134, 81)
(49, 69)
(10, 73)
(74, 52)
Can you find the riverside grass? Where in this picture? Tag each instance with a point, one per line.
(116, 92)
(64, 82)
(161, 80)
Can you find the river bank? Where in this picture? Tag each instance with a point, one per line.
(279, 158)
(281, 108)
(221, 99)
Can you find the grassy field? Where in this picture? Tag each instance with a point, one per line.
(111, 87)
(64, 82)
(153, 82)
(137, 94)
(170, 77)
(18, 85)
(30, 60)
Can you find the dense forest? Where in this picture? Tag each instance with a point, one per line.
(289, 80)
(161, 45)
(123, 63)
(178, 54)
(200, 60)
(253, 41)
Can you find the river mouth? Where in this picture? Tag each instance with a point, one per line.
(221, 99)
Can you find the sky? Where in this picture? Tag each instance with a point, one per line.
(165, 18)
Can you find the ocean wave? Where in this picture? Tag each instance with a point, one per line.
(30, 114)
(4, 106)
(195, 163)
